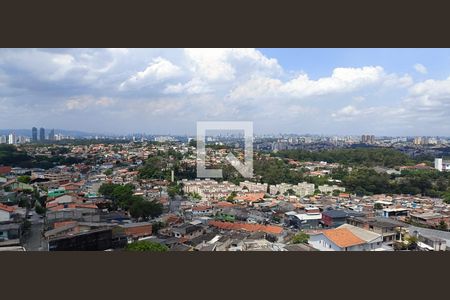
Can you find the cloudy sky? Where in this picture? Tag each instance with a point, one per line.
(322, 91)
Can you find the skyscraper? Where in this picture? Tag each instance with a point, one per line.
(34, 134)
(51, 135)
(12, 139)
(42, 134)
(368, 139)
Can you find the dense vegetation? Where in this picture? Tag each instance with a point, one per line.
(122, 197)
(300, 238)
(365, 181)
(146, 246)
(9, 155)
(362, 179)
(360, 156)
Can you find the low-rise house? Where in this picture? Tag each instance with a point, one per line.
(429, 218)
(432, 239)
(308, 220)
(6, 212)
(389, 229)
(333, 218)
(93, 240)
(250, 198)
(203, 210)
(136, 231)
(373, 239)
(10, 231)
(187, 231)
(395, 212)
(5, 170)
(239, 226)
(345, 239)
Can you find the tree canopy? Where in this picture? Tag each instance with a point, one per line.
(141, 246)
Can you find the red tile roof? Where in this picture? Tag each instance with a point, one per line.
(272, 229)
(201, 208)
(343, 237)
(251, 197)
(139, 231)
(5, 170)
(222, 204)
(7, 208)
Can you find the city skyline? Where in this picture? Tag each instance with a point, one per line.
(385, 92)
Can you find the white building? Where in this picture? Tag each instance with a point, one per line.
(11, 139)
(301, 189)
(441, 165)
(330, 188)
(5, 212)
(346, 238)
(254, 187)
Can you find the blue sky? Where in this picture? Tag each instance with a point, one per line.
(321, 91)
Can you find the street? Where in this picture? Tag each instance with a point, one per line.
(32, 240)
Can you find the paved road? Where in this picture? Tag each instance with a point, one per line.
(32, 241)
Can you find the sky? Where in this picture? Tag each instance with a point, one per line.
(393, 92)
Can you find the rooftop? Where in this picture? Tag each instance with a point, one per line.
(343, 237)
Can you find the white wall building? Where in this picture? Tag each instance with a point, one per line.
(11, 139)
(441, 165)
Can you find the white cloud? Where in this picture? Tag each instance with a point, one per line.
(346, 112)
(359, 98)
(209, 83)
(225, 64)
(192, 87)
(158, 70)
(85, 102)
(420, 68)
(342, 80)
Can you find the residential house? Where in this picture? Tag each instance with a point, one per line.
(429, 218)
(389, 229)
(310, 219)
(136, 231)
(342, 239)
(187, 231)
(333, 218)
(6, 212)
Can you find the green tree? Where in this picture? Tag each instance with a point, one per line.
(157, 226)
(231, 197)
(442, 225)
(174, 189)
(378, 206)
(300, 238)
(142, 209)
(146, 246)
(411, 242)
(24, 179)
(40, 210)
(192, 143)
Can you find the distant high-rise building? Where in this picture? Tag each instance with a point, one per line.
(11, 139)
(42, 134)
(51, 135)
(3, 139)
(418, 140)
(34, 134)
(367, 139)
